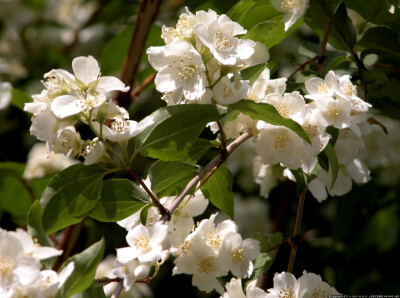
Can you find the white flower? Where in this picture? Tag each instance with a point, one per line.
(201, 261)
(89, 88)
(226, 92)
(293, 9)
(288, 105)
(38, 165)
(308, 285)
(94, 152)
(236, 254)
(183, 30)
(335, 111)
(234, 290)
(180, 69)
(267, 176)
(240, 124)
(146, 244)
(15, 267)
(5, 94)
(264, 86)
(68, 141)
(51, 282)
(318, 88)
(131, 271)
(218, 34)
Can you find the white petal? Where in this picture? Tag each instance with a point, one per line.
(107, 84)
(44, 252)
(65, 106)
(65, 273)
(86, 69)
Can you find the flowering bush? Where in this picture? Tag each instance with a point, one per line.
(225, 114)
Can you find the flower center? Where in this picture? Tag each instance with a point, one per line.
(348, 89)
(120, 126)
(185, 25)
(125, 269)
(282, 109)
(7, 265)
(311, 130)
(185, 248)
(205, 265)
(142, 242)
(237, 255)
(214, 240)
(182, 69)
(333, 111)
(221, 43)
(318, 293)
(289, 5)
(287, 292)
(281, 140)
(323, 88)
(227, 91)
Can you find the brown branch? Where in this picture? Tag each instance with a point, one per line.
(147, 13)
(67, 244)
(145, 84)
(322, 47)
(153, 196)
(303, 66)
(118, 290)
(296, 232)
(215, 162)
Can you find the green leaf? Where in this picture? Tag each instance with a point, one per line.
(86, 264)
(342, 35)
(169, 178)
(19, 98)
(303, 179)
(36, 230)
(334, 132)
(269, 32)
(252, 73)
(337, 62)
(218, 189)
(268, 251)
(12, 168)
(383, 39)
(70, 196)
(190, 153)
(120, 198)
(175, 126)
(267, 113)
(143, 214)
(95, 290)
(330, 153)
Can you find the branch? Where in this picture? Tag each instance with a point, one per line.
(164, 211)
(146, 83)
(215, 162)
(322, 47)
(303, 66)
(118, 290)
(296, 232)
(147, 13)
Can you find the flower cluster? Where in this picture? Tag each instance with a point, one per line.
(285, 285)
(20, 274)
(330, 102)
(68, 98)
(202, 59)
(211, 250)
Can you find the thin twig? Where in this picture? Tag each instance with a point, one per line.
(145, 84)
(216, 161)
(303, 66)
(147, 13)
(322, 47)
(153, 196)
(222, 133)
(296, 231)
(118, 290)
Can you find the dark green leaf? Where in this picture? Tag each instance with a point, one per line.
(120, 198)
(86, 264)
(70, 196)
(336, 63)
(176, 125)
(252, 73)
(342, 35)
(218, 189)
(269, 32)
(190, 153)
(268, 251)
(303, 179)
(12, 168)
(169, 178)
(382, 39)
(94, 291)
(330, 153)
(143, 214)
(267, 113)
(334, 132)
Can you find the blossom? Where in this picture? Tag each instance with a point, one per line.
(38, 165)
(183, 30)
(5, 94)
(318, 88)
(68, 141)
(131, 272)
(264, 86)
(88, 86)
(288, 105)
(146, 244)
(336, 112)
(226, 92)
(234, 290)
(180, 70)
(236, 254)
(308, 285)
(94, 152)
(293, 9)
(218, 33)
